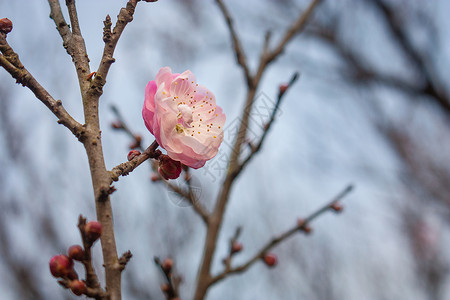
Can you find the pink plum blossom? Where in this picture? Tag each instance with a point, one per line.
(183, 117)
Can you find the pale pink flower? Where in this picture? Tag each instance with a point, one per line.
(183, 117)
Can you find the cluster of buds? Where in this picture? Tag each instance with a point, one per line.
(235, 248)
(170, 287)
(62, 266)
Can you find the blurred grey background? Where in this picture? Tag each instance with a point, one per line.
(371, 108)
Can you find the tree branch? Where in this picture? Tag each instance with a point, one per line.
(189, 196)
(73, 41)
(127, 167)
(91, 277)
(432, 85)
(57, 16)
(216, 218)
(302, 226)
(9, 60)
(238, 50)
(256, 148)
(111, 39)
(295, 28)
(91, 90)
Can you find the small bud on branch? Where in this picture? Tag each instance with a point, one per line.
(236, 247)
(132, 154)
(5, 25)
(169, 168)
(337, 207)
(117, 125)
(78, 287)
(93, 230)
(60, 265)
(76, 252)
(270, 259)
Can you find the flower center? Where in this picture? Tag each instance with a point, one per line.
(185, 115)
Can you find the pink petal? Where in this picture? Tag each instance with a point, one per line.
(148, 110)
(183, 84)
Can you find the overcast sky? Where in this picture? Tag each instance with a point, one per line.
(322, 140)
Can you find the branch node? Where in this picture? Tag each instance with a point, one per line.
(105, 192)
(124, 259)
(107, 29)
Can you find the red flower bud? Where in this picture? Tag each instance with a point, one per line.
(117, 125)
(165, 287)
(92, 231)
(132, 154)
(236, 247)
(60, 265)
(167, 265)
(270, 259)
(283, 88)
(155, 177)
(337, 207)
(78, 287)
(5, 25)
(305, 228)
(76, 252)
(169, 168)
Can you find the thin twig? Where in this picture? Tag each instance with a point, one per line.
(91, 277)
(171, 288)
(432, 84)
(57, 16)
(122, 124)
(193, 198)
(300, 227)
(256, 148)
(295, 28)
(127, 167)
(73, 41)
(360, 72)
(238, 50)
(196, 205)
(73, 17)
(9, 60)
(111, 39)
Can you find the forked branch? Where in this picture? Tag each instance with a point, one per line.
(301, 226)
(9, 60)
